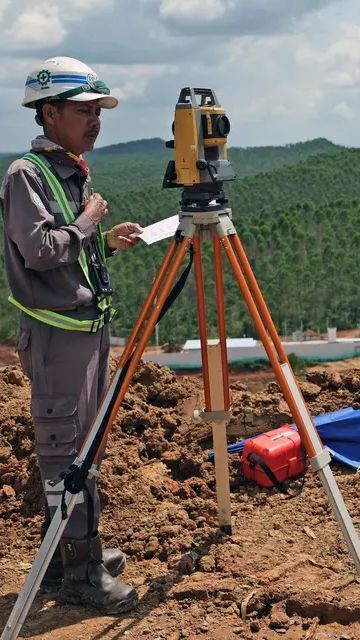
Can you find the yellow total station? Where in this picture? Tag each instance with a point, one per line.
(200, 131)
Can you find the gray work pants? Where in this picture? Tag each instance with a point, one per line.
(68, 371)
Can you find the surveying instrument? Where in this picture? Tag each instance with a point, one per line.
(200, 167)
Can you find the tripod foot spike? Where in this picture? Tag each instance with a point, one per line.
(226, 528)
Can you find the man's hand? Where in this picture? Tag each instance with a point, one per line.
(96, 208)
(119, 236)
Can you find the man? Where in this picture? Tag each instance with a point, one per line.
(55, 259)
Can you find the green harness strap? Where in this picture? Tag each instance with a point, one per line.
(104, 305)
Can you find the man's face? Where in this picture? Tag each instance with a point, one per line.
(74, 125)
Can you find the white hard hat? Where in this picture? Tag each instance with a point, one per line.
(64, 78)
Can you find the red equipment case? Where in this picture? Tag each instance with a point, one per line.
(280, 449)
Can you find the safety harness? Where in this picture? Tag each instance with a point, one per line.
(106, 311)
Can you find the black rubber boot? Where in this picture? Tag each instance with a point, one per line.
(114, 560)
(88, 582)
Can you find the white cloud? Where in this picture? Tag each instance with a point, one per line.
(340, 78)
(193, 9)
(41, 21)
(339, 62)
(85, 5)
(295, 79)
(236, 16)
(45, 23)
(4, 4)
(343, 110)
(131, 81)
(285, 90)
(75, 10)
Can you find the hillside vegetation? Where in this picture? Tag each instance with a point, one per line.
(298, 217)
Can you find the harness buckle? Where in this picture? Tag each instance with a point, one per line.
(96, 325)
(106, 315)
(104, 318)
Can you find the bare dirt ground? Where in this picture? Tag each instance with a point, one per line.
(284, 573)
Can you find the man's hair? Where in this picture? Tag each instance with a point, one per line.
(39, 118)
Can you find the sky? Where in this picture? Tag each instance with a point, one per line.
(284, 70)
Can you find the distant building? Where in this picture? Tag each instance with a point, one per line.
(231, 343)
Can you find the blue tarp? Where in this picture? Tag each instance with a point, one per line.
(339, 432)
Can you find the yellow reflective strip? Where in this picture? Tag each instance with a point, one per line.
(64, 207)
(82, 260)
(55, 186)
(56, 319)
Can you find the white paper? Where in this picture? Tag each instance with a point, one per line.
(159, 230)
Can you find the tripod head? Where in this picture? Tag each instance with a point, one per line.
(200, 166)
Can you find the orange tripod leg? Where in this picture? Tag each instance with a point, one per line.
(254, 287)
(202, 319)
(219, 284)
(319, 456)
(215, 379)
(261, 304)
(261, 329)
(148, 303)
(144, 338)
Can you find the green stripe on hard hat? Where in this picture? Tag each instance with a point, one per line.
(96, 86)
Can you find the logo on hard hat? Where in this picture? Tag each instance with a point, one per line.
(91, 80)
(44, 78)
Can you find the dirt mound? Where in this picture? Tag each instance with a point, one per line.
(285, 570)
(323, 391)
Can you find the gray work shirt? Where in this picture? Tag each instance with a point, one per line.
(41, 252)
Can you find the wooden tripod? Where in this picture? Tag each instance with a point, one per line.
(193, 227)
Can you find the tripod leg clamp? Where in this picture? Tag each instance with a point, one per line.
(94, 472)
(321, 460)
(212, 416)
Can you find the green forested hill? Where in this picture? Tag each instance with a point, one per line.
(144, 161)
(300, 224)
(148, 146)
(254, 160)
(301, 229)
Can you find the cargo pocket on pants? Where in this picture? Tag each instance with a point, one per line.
(56, 425)
(22, 346)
